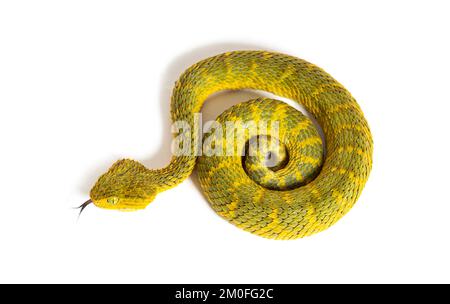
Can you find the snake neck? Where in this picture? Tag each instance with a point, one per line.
(179, 168)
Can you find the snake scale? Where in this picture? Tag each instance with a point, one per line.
(303, 191)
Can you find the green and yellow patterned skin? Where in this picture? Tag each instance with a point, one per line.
(303, 190)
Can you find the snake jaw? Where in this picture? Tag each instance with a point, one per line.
(123, 204)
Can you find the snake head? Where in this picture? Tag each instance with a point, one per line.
(125, 186)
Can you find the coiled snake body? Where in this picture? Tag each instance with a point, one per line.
(303, 191)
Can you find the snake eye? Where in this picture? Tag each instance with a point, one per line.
(112, 200)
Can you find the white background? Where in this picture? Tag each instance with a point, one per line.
(84, 83)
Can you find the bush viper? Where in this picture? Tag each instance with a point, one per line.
(303, 191)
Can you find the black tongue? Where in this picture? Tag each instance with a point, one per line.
(84, 205)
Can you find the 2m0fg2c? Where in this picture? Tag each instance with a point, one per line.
(246, 293)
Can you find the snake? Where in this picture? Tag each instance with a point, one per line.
(295, 183)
